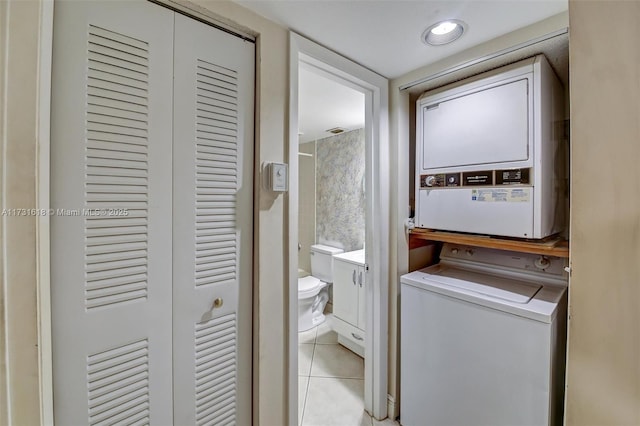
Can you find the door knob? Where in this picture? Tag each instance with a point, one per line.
(217, 303)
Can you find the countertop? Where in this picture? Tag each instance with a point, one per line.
(356, 256)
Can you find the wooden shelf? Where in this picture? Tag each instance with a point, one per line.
(553, 246)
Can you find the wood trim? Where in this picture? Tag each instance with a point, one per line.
(553, 246)
(417, 242)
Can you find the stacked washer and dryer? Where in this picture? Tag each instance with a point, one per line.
(483, 333)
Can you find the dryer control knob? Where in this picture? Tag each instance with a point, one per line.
(469, 252)
(430, 180)
(454, 251)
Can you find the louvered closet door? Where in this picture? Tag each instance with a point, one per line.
(111, 238)
(212, 231)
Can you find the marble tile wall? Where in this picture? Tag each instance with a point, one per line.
(340, 190)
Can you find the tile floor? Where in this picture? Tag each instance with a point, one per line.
(330, 382)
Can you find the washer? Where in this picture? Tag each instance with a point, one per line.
(483, 339)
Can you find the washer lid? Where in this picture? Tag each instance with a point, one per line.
(308, 286)
(514, 295)
(499, 288)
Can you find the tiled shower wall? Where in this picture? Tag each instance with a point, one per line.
(340, 190)
(306, 203)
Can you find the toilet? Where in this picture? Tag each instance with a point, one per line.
(313, 291)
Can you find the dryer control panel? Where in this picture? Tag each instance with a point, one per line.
(477, 178)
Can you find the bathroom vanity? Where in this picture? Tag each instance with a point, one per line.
(349, 283)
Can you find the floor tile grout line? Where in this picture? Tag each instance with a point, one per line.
(306, 391)
(304, 404)
(313, 356)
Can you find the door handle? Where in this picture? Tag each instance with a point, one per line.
(355, 336)
(360, 278)
(353, 277)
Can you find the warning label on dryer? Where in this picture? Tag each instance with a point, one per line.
(508, 195)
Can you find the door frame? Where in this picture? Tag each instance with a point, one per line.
(321, 60)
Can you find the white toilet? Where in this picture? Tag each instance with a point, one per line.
(312, 289)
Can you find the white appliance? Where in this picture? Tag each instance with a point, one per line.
(489, 158)
(483, 340)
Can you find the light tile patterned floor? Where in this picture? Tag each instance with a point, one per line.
(330, 382)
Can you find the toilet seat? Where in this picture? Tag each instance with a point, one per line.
(309, 286)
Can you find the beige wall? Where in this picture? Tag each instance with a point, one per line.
(19, 365)
(604, 332)
(19, 368)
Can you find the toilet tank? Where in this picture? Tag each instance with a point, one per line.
(322, 261)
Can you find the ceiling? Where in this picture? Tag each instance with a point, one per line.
(325, 104)
(384, 35)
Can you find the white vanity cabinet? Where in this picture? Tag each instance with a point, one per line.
(349, 283)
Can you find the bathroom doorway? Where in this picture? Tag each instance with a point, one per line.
(331, 234)
(338, 198)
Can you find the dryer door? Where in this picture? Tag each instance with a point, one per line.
(488, 125)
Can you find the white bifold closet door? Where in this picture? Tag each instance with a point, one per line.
(212, 232)
(151, 191)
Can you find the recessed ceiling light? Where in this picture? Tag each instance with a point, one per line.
(443, 32)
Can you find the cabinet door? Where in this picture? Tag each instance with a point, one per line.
(111, 228)
(362, 282)
(345, 291)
